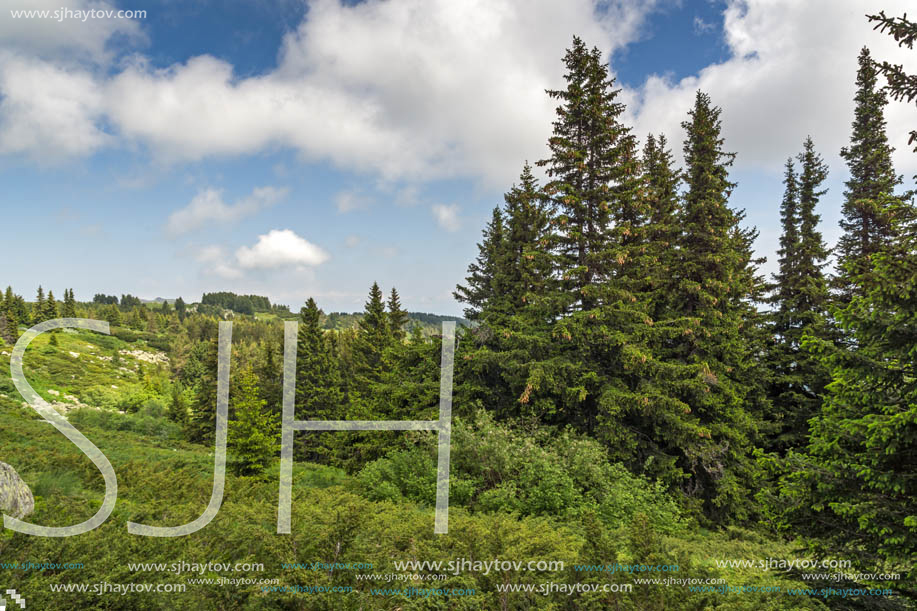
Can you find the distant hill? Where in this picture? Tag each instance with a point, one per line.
(260, 306)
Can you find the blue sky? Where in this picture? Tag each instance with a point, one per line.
(301, 149)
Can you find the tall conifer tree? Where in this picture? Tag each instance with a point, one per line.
(397, 316)
(50, 309)
(478, 292)
(38, 309)
(713, 326)
(318, 381)
(871, 209)
(69, 309)
(799, 301)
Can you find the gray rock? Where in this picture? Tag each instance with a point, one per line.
(16, 499)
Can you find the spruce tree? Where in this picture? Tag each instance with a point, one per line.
(522, 267)
(9, 329)
(586, 168)
(789, 243)
(509, 279)
(69, 309)
(318, 381)
(112, 314)
(478, 292)
(252, 436)
(655, 267)
(373, 337)
(8, 332)
(593, 183)
(319, 390)
(871, 207)
(854, 492)
(38, 308)
(812, 251)
(19, 310)
(270, 374)
(799, 300)
(713, 327)
(202, 422)
(50, 309)
(397, 316)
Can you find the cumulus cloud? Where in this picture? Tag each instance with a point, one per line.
(208, 207)
(422, 90)
(48, 112)
(791, 73)
(65, 35)
(280, 248)
(428, 89)
(447, 216)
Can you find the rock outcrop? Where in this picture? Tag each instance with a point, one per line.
(16, 499)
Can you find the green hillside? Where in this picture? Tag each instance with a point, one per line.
(514, 496)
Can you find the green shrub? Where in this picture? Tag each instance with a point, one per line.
(534, 472)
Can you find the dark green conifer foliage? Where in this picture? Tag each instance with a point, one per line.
(478, 292)
(397, 316)
(588, 168)
(19, 309)
(319, 394)
(655, 264)
(593, 185)
(252, 435)
(373, 337)
(112, 314)
(870, 203)
(8, 331)
(855, 491)
(799, 301)
(713, 327)
(180, 308)
(202, 423)
(50, 308)
(38, 308)
(510, 280)
(69, 309)
(522, 267)
(270, 374)
(9, 326)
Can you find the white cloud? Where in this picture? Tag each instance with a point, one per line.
(447, 216)
(280, 248)
(352, 241)
(791, 73)
(348, 201)
(428, 89)
(65, 35)
(422, 90)
(208, 207)
(48, 112)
